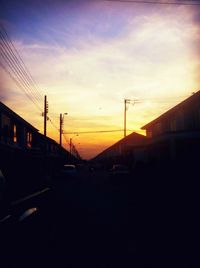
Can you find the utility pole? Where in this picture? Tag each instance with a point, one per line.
(45, 133)
(61, 127)
(45, 115)
(127, 101)
(76, 153)
(125, 117)
(70, 149)
(70, 145)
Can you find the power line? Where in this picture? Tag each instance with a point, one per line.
(20, 61)
(10, 57)
(20, 86)
(15, 67)
(90, 132)
(9, 53)
(66, 139)
(15, 77)
(9, 61)
(17, 73)
(155, 2)
(53, 124)
(18, 83)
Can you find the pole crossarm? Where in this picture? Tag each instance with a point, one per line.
(129, 101)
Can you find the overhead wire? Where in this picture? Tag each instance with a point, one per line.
(74, 149)
(17, 73)
(8, 58)
(98, 131)
(11, 56)
(156, 2)
(66, 139)
(20, 86)
(53, 124)
(9, 62)
(20, 62)
(23, 78)
(16, 79)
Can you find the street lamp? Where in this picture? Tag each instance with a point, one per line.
(61, 125)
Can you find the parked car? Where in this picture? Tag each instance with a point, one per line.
(68, 170)
(119, 169)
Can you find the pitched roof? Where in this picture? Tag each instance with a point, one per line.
(132, 139)
(187, 102)
(8, 111)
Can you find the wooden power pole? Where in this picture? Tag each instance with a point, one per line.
(124, 118)
(127, 101)
(61, 122)
(45, 115)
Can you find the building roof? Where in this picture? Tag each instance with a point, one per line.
(186, 103)
(132, 139)
(8, 111)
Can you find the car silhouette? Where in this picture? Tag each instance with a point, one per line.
(119, 169)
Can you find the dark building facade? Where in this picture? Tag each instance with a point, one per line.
(122, 152)
(14, 130)
(176, 133)
(28, 159)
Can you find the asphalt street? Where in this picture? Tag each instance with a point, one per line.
(87, 220)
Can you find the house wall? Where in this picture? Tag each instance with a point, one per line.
(14, 132)
(184, 119)
(27, 158)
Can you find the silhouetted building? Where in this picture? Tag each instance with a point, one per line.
(27, 158)
(123, 151)
(176, 133)
(14, 130)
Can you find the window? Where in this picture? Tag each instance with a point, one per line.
(29, 139)
(14, 133)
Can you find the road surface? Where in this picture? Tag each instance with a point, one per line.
(85, 221)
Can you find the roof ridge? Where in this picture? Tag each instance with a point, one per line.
(173, 109)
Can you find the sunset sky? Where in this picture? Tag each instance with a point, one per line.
(87, 56)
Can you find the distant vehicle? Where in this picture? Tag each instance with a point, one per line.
(80, 166)
(91, 169)
(119, 169)
(68, 170)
